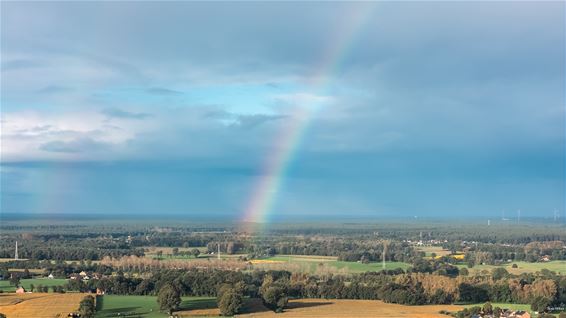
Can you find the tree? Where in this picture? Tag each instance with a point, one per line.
(230, 299)
(274, 293)
(175, 251)
(168, 298)
(86, 307)
(159, 254)
(195, 252)
(464, 272)
(15, 280)
(275, 298)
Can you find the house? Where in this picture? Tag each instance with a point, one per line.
(83, 273)
(522, 314)
(51, 276)
(99, 291)
(515, 314)
(20, 290)
(545, 258)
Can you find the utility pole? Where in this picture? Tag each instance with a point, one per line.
(218, 250)
(385, 243)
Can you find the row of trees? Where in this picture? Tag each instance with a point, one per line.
(407, 288)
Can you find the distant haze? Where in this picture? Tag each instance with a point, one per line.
(385, 109)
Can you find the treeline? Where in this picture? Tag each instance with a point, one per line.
(345, 248)
(389, 286)
(494, 254)
(67, 248)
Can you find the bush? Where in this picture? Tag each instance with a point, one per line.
(86, 307)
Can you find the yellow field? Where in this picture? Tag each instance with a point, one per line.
(334, 308)
(39, 305)
(310, 258)
(4, 260)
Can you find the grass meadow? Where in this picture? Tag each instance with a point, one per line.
(26, 283)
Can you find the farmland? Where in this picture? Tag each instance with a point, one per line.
(311, 263)
(437, 250)
(147, 307)
(346, 308)
(26, 283)
(39, 305)
(522, 267)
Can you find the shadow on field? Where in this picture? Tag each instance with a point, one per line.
(253, 305)
(195, 304)
(300, 304)
(122, 312)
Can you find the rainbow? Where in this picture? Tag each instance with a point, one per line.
(264, 193)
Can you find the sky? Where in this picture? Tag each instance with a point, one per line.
(297, 109)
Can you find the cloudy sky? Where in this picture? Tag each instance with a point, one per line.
(398, 109)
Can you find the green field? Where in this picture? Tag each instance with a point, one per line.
(26, 283)
(523, 267)
(352, 267)
(145, 306)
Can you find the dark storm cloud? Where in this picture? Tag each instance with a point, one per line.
(428, 106)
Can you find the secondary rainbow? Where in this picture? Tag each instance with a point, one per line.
(264, 194)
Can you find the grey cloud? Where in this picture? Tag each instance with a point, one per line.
(74, 146)
(251, 121)
(20, 64)
(55, 89)
(119, 113)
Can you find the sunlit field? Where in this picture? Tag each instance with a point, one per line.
(522, 267)
(39, 305)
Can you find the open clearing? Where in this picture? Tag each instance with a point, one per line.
(26, 283)
(523, 267)
(39, 305)
(329, 308)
